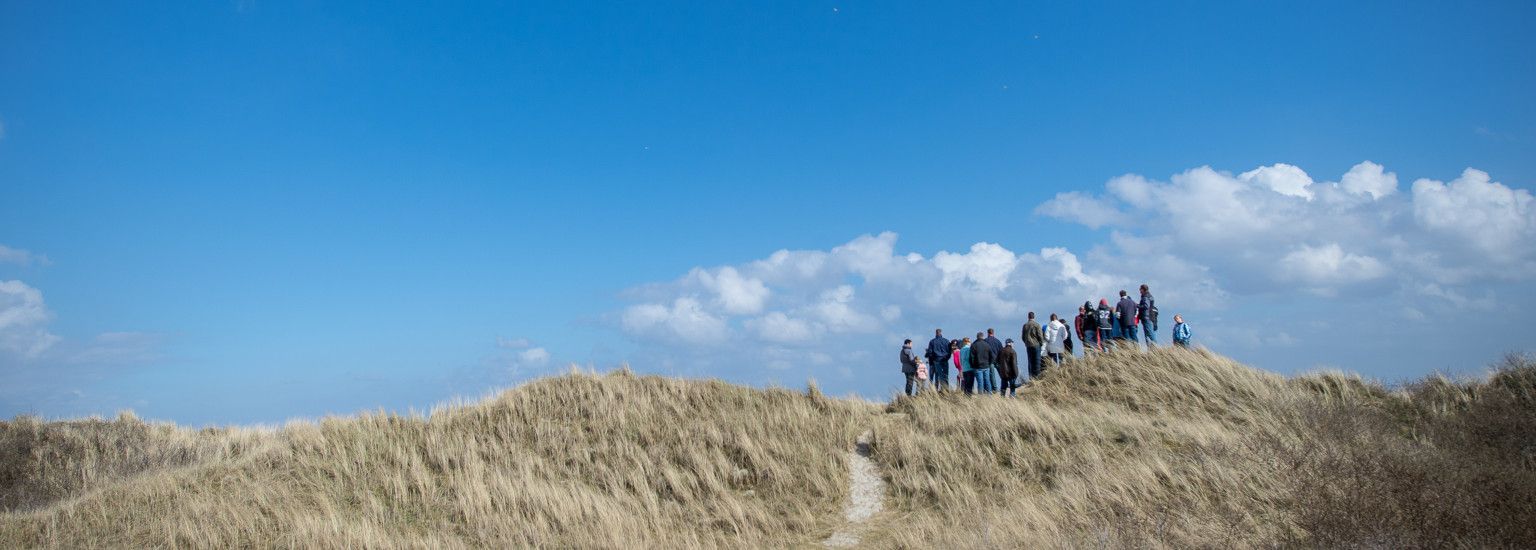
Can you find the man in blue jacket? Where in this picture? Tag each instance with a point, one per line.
(938, 360)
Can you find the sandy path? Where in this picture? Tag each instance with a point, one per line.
(866, 492)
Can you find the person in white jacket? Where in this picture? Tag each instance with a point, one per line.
(1055, 339)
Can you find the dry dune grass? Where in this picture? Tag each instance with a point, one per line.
(1175, 448)
(575, 461)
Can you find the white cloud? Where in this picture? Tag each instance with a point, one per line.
(23, 320)
(1281, 178)
(1272, 245)
(1253, 232)
(686, 319)
(1499, 221)
(1369, 178)
(1077, 207)
(533, 357)
(513, 343)
(737, 295)
(779, 327)
(1329, 265)
(20, 257)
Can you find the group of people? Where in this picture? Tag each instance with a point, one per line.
(986, 365)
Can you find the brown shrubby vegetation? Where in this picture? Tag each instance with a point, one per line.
(1171, 449)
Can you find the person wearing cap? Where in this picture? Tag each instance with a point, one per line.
(1033, 337)
(1008, 367)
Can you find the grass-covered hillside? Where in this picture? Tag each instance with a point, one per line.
(1174, 448)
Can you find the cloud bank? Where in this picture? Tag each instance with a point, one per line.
(1207, 241)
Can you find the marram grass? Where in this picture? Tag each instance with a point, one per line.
(1170, 449)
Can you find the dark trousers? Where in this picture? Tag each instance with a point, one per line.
(911, 382)
(1034, 361)
(968, 382)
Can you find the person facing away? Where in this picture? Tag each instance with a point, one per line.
(909, 365)
(1084, 325)
(1125, 312)
(984, 359)
(1055, 340)
(1146, 314)
(1008, 368)
(1104, 321)
(938, 359)
(1180, 331)
(967, 367)
(1033, 338)
(997, 356)
(997, 346)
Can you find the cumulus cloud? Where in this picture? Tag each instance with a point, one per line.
(23, 320)
(1281, 178)
(1271, 244)
(1369, 178)
(1498, 221)
(1275, 225)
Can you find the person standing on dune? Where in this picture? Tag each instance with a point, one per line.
(1008, 367)
(938, 360)
(1033, 337)
(909, 366)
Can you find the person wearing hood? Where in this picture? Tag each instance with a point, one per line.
(1008, 367)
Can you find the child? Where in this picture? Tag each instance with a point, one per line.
(1180, 332)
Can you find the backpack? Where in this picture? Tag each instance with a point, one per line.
(1152, 315)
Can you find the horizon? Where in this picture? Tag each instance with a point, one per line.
(250, 212)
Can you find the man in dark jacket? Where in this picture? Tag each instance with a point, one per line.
(1033, 337)
(1008, 367)
(1144, 314)
(984, 357)
(1087, 333)
(909, 365)
(997, 352)
(938, 360)
(1125, 313)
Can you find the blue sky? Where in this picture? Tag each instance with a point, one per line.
(251, 211)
